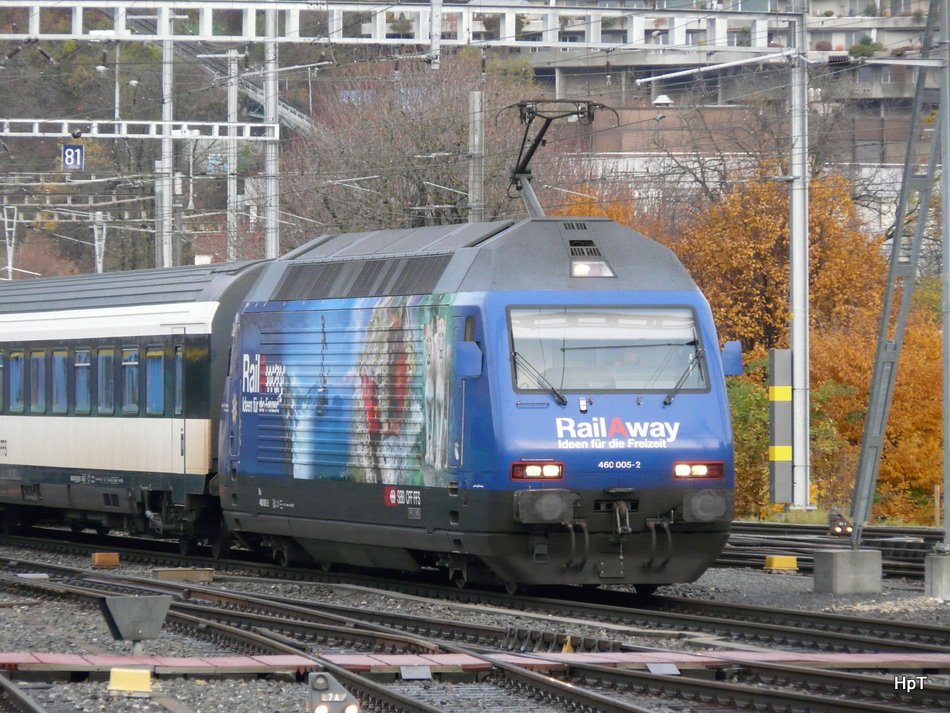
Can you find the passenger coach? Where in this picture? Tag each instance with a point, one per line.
(109, 386)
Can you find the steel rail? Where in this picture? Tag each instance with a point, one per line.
(13, 700)
(884, 631)
(262, 638)
(743, 697)
(834, 682)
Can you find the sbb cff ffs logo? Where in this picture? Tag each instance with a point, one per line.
(393, 497)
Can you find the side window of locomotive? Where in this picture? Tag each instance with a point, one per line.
(16, 382)
(130, 381)
(60, 369)
(179, 381)
(83, 382)
(105, 376)
(155, 381)
(38, 382)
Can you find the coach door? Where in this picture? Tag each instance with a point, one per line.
(179, 443)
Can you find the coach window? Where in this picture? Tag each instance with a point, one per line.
(130, 381)
(1, 382)
(83, 382)
(60, 369)
(16, 382)
(38, 382)
(179, 381)
(105, 375)
(155, 381)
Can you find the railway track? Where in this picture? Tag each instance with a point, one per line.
(903, 549)
(730, 622)
(253, 623)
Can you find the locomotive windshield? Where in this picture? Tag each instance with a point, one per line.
(606, 349)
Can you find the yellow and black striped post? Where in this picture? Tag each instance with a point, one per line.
(780, 426)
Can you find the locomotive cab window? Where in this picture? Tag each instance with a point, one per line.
(130, 381)
(606, 349)
(83, 382)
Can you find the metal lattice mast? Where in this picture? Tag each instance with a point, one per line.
(902, 274)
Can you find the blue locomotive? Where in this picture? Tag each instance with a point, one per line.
(527, 402)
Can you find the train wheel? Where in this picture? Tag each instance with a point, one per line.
(282, 556)
(512, 588)
(102, 530)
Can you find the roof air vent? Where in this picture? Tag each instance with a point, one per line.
(584, 248)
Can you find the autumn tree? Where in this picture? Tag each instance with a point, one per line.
(841, 364)
(738, 253)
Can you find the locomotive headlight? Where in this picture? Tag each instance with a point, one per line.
(698, 470)
(547, 471)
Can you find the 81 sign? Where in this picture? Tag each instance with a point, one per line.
(74, 157)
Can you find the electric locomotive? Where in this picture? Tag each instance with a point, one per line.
(533, 403)
(526, 402)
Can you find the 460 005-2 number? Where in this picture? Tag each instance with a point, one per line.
(621, 464)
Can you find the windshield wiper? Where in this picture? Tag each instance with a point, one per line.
(539, 378)
(682, 380)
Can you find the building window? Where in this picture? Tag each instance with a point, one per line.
(38, 382)
(16, 382)
(60, 370)
(130, 381)
(155, 381)
(83, 381)
(105, 374)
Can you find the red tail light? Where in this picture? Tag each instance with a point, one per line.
(698, 470)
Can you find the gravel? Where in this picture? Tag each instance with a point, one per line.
(900, 599)
(58, 627)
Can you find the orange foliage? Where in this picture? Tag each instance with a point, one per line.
(841, 363)
(738, 253)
